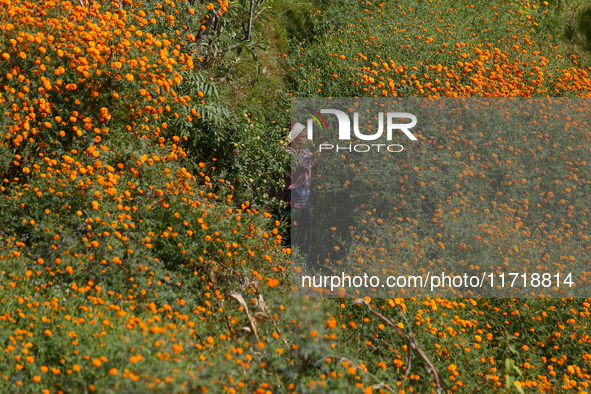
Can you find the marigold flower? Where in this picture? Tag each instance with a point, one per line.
(272, 282)
(332, 323)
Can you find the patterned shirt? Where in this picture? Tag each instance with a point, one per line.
(301, 176)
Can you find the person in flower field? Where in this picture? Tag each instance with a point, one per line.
(297, 188)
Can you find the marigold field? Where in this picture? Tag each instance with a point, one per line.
(140, 246)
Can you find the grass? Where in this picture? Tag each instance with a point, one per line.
(258, 82)
(570, 21)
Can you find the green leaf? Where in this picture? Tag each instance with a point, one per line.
(253, 53)
(518, 387)
(509, 380)
(508, 364)
(512, 349)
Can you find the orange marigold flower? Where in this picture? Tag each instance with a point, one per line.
(332, 323)
(272, 282)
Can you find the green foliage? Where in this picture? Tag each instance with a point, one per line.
(251, 157)
(568, 21)
(294, 19)
(423, 34)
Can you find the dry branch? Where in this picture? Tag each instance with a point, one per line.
(238, 297)
(411, 345)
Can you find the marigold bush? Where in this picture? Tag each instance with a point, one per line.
(128, 265)
(108, 239)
